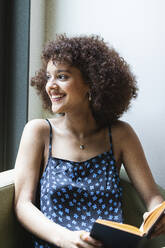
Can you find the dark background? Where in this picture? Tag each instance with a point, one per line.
(14, 76)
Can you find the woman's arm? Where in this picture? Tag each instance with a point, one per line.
(27, 170)
(138, 170)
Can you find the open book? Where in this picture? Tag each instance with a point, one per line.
(114, 234)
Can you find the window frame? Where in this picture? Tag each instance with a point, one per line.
(14, 76)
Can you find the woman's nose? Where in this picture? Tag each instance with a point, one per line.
(53, 83)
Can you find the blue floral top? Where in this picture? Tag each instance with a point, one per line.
(75, 194)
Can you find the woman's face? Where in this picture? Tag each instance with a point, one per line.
(66, 88)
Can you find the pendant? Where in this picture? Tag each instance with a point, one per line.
(82, 147)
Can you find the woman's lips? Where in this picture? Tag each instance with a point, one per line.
(57, 98)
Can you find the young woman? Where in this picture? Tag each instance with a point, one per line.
(67, 168)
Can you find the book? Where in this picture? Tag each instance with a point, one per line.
(113, 234)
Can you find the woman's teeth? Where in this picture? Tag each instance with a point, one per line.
(57, 97)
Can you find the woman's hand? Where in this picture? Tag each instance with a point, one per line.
(159, 228)
(78, 239)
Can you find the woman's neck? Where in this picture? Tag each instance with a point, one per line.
(79, 123)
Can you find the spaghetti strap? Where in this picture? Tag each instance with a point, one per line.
(50, 139)
(110, 138)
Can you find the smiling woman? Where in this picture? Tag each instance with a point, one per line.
(67, 168)
(100, 66)
(65, 86)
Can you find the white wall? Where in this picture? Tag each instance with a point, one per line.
(136, 29)
(37, 40)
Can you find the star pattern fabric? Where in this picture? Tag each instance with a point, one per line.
(75, 194)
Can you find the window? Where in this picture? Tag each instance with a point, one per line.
(14, 76)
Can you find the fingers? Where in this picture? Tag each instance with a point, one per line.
(159, 228)
(84, 236)
(158, 231)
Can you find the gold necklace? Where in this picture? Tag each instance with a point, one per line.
(82, 147)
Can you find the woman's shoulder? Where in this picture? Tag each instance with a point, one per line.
(39, 124)
(37, 127)
(122, 129)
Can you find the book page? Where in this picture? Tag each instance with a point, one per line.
(150, 218)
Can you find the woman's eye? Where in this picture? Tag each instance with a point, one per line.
(48, 77)
(62, 77)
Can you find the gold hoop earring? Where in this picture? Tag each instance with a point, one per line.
(89, 96)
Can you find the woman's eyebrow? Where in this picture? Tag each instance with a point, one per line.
(60, 70)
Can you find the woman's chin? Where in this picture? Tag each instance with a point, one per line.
(57, 110)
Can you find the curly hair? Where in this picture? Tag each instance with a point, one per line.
(112, 84)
